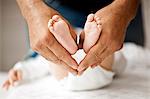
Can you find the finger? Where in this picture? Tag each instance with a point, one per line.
(12, 76)
(19, 75)
(94, 54)
(107, 52)
(81, 72)
(11, 82)
(82, 35)
(6, 85)
(47, 53)
(93, 57)
(93, 66)
(61, 53)
(68, 68)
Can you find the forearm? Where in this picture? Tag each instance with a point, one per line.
(33, 7)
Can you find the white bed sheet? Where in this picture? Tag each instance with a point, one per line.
(3, 93)
(133, 84)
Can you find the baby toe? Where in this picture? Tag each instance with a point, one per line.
(56, 18)
(90, 17)
(51, 28)
(50, 22)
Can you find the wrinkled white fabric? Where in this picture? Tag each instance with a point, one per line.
(136, 54)
(90, 79)
(33, 68)
(120, 63)
(93, 78)
(133, 84)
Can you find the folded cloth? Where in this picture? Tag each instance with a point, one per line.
(93, 78)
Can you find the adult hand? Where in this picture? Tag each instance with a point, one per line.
(114, 22)
(42, 41)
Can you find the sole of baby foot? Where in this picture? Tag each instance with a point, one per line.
(92, 31)
(60, 29)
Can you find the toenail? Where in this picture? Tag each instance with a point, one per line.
(56, 16)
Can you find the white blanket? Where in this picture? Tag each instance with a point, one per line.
(133, 84)
(3, 93)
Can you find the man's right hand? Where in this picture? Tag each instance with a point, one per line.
(41, 40)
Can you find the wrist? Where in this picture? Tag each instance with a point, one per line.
(125, 8)
(34, 8)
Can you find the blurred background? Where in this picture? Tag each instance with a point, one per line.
(13, 34)
(14, 43)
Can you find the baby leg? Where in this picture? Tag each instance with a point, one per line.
(62, 32)
(92, 31)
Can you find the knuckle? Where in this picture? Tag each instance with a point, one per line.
(61, 57)
(57, 61)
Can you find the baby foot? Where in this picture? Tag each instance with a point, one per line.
(92, 31)
(60, 29)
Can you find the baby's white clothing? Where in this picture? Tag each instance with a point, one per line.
(33, 68)
(90, 79)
